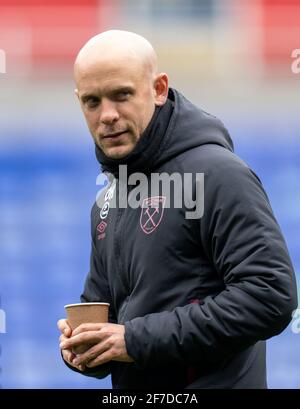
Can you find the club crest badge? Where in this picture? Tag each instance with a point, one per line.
(101, 230)
(152, 213)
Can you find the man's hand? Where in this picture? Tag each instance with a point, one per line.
(108, 344)
(67, 353)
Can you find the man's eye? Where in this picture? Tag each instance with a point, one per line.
(92, 102)
(122, 96)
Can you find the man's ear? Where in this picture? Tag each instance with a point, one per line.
(76, 92)
(161, 87)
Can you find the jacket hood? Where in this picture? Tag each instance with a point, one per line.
(191, 127)
(175, 127)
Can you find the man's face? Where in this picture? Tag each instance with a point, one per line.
(118, 101)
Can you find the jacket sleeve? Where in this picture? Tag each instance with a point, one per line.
(96, 289)
(241, 238)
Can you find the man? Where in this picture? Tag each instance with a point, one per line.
(192, 300)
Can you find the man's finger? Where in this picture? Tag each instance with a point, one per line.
(69, 358)
(68, 355)
(91, 354)
(62, 324)
(64, 327)
(100, 359)
(87, 327)
(62, 338)
(88, 337)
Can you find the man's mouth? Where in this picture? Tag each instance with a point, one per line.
(113, 134)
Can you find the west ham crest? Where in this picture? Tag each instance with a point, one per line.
(152, 213)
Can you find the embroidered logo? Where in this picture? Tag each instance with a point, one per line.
(101, 229)
(110, 192)
(108, 195)
(152, 213)
(104, 211)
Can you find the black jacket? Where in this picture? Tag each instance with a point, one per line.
(198, 297)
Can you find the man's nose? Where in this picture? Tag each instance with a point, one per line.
(108, 112)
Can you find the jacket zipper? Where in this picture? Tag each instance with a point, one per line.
(118, 249)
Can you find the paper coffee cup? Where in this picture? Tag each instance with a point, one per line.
(82, 313)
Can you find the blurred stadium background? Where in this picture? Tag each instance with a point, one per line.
(231, 57)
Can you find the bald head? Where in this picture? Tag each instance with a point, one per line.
(119, 47)
(118, 87)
